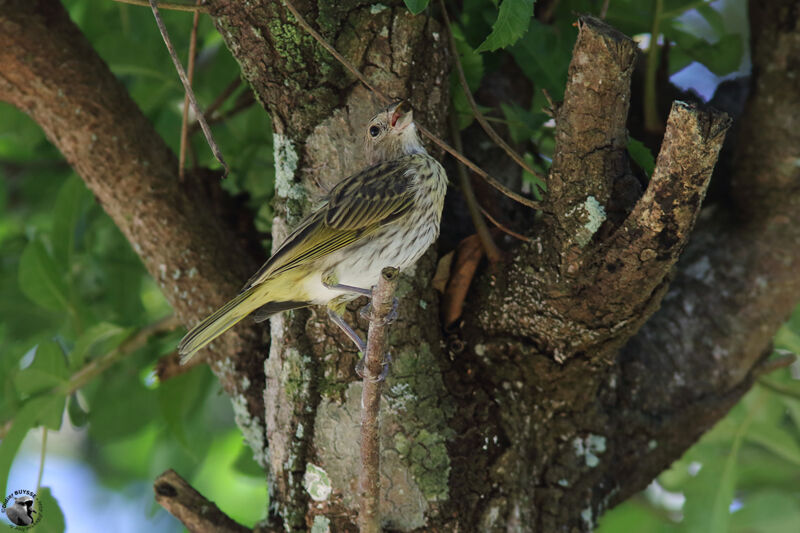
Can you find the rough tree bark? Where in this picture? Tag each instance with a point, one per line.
(587, 365)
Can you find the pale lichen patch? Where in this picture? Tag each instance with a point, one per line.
(589, 448)
(317, 483)
(286, 159)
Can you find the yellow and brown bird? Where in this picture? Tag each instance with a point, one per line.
(386, 215)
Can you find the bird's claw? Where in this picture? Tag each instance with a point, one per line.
(366, 313)
(361, 367)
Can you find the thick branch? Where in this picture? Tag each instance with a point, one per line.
(198, 514)
(591, 137)
(644, 249)
(51, 72)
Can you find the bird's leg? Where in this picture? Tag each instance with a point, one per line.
(360, 344)
(340, 321)
(348, 288)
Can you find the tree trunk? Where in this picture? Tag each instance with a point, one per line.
(579, 371)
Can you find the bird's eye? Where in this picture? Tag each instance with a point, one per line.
(374, 131)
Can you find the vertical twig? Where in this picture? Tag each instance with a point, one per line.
(492, 251)
(604, 9)
(41, 460)
(369, 478)
(188, 87)
(190, 76)
(652, 122)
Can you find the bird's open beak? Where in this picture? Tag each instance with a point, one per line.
(402, 116)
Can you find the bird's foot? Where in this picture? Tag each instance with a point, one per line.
(361, 368)
(366, 313)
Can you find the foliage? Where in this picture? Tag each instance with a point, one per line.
(73, 292)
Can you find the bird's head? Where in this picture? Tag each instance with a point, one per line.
(392, 133)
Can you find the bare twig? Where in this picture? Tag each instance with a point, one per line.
(504, 229)
(550, 111)
(604, 9)
(783, 360)
(223, 96)
(244, 101)
(99, 365)
(492, 251)
(652, 122)
(462, 78)
(533, 204)
(167, 5)
(369, 478)
(198, 514)
(190, 76)
(188, 88)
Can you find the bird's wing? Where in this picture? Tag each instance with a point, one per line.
(356, 207)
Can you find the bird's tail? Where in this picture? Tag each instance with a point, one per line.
(219, 322)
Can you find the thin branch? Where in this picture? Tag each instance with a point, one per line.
(604, 9)
(652, 122)
(188, 88)
(783, 360)
(223, 96)
(99, 365)
(42, 455)
(492, 251)
(462, 78)
(504, 229)
(167, 5)
(369, 478)
(190, 76)
(245, 100)
(198, 514)
(533, 204)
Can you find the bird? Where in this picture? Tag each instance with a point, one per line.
(21, 513)
(385, 215)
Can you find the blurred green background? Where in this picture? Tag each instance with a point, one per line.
(72, 292)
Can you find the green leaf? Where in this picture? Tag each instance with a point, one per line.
(713, 17)
(41, 279)
(777, 440)
(642, 155)
(245, 464)
(31, 414)
(52, 518)
(512, 22)
(70, 206)
(48, 370)
(78, 416)
(471, 61)
(543, 55)
(767, 510)
(99, 339)
(522, 124)
(721, 57)
(121, 407)
(178, 398)
(416, 6)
